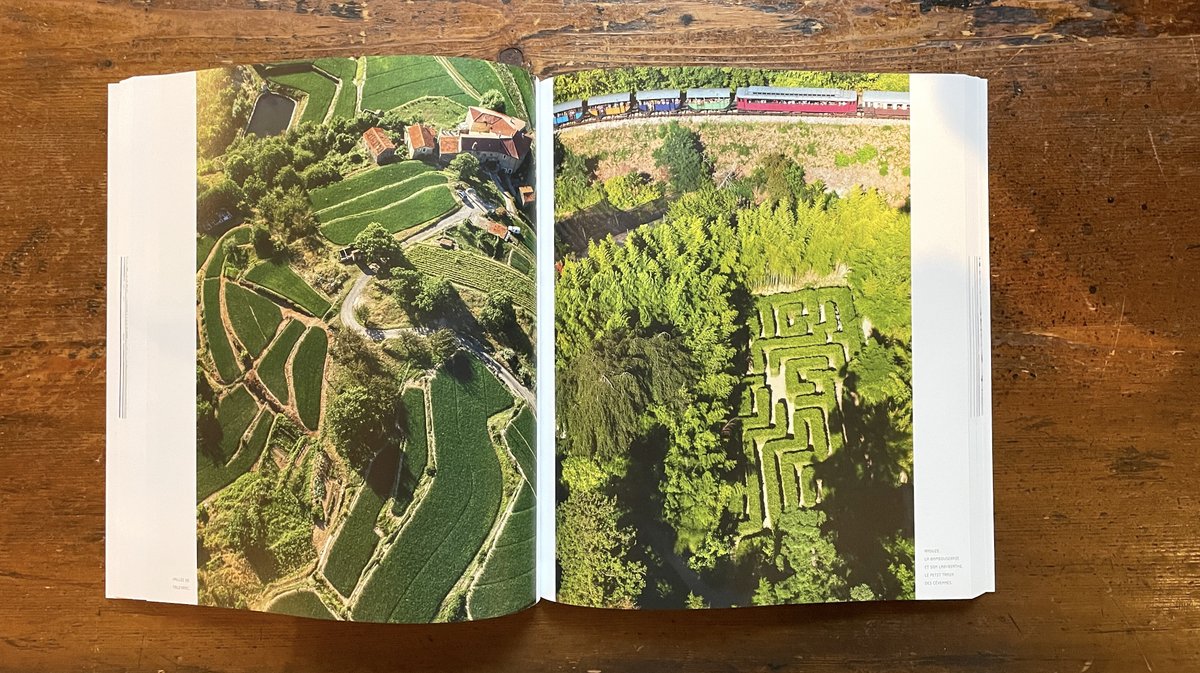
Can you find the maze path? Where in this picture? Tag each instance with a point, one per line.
(800, 345)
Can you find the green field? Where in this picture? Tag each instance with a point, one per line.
(377, 200)
(344, 69)
(214, 331)
(300, 604)
(280, 279)
(436, 111)
(430, 204)
(254, 317)
(482, 76)
(308, 375)
(357, 539)
(416, 449)
(212, 477)
(474, 271)
(320, 92)
(461, 505)
(506, 584)
(204, 245)
(272, 368)
(366, 181)
(396, 80)
(520, 437)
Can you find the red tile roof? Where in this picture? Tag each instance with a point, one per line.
(420, 137)
(482, 120)
(496, 229)
(378, 141)
(448, 145)
(516, 147)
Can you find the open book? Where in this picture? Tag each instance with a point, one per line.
(415, 339)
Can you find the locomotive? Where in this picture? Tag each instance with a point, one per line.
(744, 100)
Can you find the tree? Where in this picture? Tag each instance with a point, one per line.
(375, 243)
(404, 286)
(362, 419)
(593, 554)
(236, 255)
(320, 174)
(288, 214)
(628, 191)
(492, 100)
(464, 166)
(266, 246)
(682, 154)
(808, 568)
(442, 346)
(435, 296)
(218, 202)
(498, 314)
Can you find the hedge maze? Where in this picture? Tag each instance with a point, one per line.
(791, 398)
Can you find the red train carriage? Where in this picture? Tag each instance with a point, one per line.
(796, 100)
(885, 104)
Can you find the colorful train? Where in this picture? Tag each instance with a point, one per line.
(747, 100)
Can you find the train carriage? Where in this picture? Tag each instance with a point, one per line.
(796, 100)
(657, 100)
(707, 100)
(885, 104)
(568, 112)
(608, 105)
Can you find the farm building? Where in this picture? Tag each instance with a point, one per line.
(482, 120)
(379, 144)
(496, 229)
(421, 141)
(508, 153)
(526, 194)
(491, 137)
(448, 146)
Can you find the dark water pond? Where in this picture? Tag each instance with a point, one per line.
(271, 115)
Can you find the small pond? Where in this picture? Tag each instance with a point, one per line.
(272, 114)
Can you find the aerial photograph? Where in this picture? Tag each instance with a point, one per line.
(733, 337)
(365, 311)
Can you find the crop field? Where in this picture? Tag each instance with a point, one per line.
(300, 604)
(280, 279)
(357, 540)
(506, 584)
(520, 438)
(211, 477)
(364, 182)
(271, 370)
(419, 570)
(428, 205)
(395, 80)
(344, 69)
(214, 331)
(378, 200)
(308, 375)
(436, 111)
(800, 342)
(482, 76)
(416, 451)
(254, 317)
(320, 92)
(204, 245)
(474, 271)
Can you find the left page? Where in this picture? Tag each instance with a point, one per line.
(353, 341)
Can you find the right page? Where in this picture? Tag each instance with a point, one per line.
(744, 375)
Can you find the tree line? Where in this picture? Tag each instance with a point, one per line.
(588, 83)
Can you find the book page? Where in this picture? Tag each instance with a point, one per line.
(733, 339)
(362, 424)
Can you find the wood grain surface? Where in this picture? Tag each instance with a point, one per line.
(1095, 186)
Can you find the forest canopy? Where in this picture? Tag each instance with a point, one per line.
(588, 83)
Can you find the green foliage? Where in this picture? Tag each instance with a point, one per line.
(587, 83)
(224, 101)
(435, 297)
(573, 188)
(283, 281)
(498, 315)
(419, 570)
(212, 477)
(357, 540)
(474, 271)
(506, 583)
(492, 100)
(219, 201)
(376, 244)
(204, 246)
(593, 554)
(254, 317)
(682, 154)
(287, 214)
(214, 330)
(464, 167)
(626, 192)
(300, 604)
(271, 369)
(259, 517)
(308, 375)
(807, 567)
(521, 438)
(425, 206)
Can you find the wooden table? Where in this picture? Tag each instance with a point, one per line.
(1095, 188)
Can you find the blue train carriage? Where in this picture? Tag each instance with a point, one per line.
(568, 112)
(885, 104)
(657, 100)
(707, 100)
(608, 105)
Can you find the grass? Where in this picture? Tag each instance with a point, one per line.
(308, 375)
(463, 501)
(382, 197)
(424, 207)
(357, 540)
(482, 76)
(345, 70)
(254, 317)
(211, 477)
(506, 583)
(204, 245)
(395, 80)
(364, 182)
(271, 370)
(280, 279)
(520, 436)
(416, 451)
(474, 271)
(437, 111)
(300, 604)
(320, 91)
(214, 331)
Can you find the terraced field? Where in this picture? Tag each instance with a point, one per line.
(218, 466)
(320, 91)
(282, 281)
(365, 182)
(456, 514)
(357, 540)
(308, 375)
(800, 344)
(271, 367)
(345, 70)
(473, 271)
(300, 604)
(424, 206)
(254, 318)
(416, 450)
(520, 438)
(507, 583)
(395, 80)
